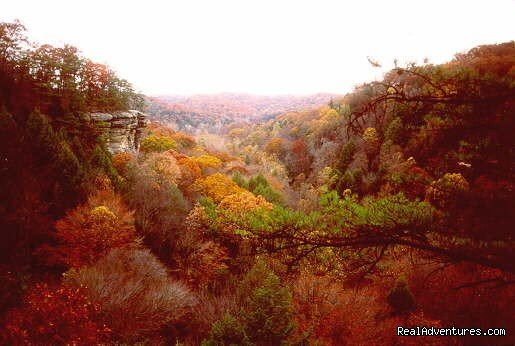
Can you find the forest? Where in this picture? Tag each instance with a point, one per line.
(211, 113)
(389, 206)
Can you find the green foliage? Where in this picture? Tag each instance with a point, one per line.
(228, 331)
(395, 131)
(351, 179)
(265, 316)
(154, 143)
(259, 186)
(69, 167)
(41, 136)
(268, 311)
(238, 178)
(101, 161)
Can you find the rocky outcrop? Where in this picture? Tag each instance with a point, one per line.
(122, 130)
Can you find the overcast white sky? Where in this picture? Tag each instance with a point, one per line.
(262, 46)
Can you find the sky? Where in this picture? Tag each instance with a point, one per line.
(265, 47)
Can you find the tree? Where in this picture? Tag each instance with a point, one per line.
(275, 146)
(268, 311)
(160, 207)
(447, 190)
(216, 186)
(157, 144)
(91, 230)
(374, 223)
(208, 163)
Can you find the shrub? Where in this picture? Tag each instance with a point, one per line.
(190, 171)
(159, 205)
(241, 203)
(155, 143)
(184, 140)
(371, 139)
(395, 131)
(134, 292)
(346, 156)
(258, 185)
(55, 316)
(227, 331)
(400, 298)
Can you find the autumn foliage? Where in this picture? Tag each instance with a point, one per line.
(92, 229)
(216, 186)
(55, 315)
(390, 206)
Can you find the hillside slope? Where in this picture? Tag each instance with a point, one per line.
(211, 112)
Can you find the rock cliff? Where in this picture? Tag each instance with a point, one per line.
(122, 130)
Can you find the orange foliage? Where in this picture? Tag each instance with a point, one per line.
(345, 316)
(120, 162)
(275, 146)
(190, 171)
(160, 130)
(176, 154)
(223, 156)
(92, 229)
(204, 263)
(55, 316)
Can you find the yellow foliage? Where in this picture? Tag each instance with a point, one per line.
(240, 203)
(208, 161)
(102, 214)
(371, 139)
(155, 143)
(216, 186)
(447, 188)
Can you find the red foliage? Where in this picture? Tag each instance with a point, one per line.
(55, 316)
(467, 295)
(417, 183)
(489, 190)
(301, 158)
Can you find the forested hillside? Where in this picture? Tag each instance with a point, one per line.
(211, 112)
(391, 206)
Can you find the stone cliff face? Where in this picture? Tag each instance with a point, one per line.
(122, 130)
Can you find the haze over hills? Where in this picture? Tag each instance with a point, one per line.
(212, 111)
